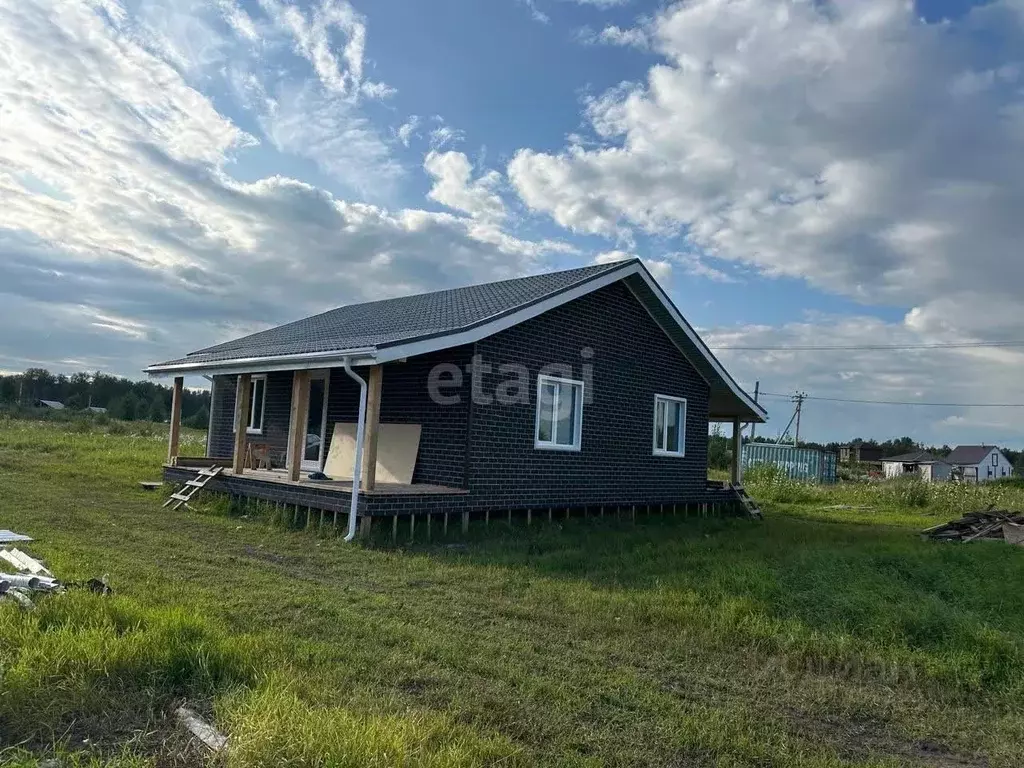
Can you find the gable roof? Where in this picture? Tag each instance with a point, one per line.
(392, 329)
(56, 404)
(915, 457)
(969, 454)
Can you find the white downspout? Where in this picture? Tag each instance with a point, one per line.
(357, 471)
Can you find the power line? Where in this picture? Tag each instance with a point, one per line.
(897, 402)
(875, 347)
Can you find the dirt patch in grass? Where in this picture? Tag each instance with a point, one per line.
(855, 739)
(258, 553)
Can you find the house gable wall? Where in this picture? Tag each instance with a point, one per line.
(1000, 470)
(632, 361)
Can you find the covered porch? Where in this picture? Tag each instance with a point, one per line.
(272, 433)
(252, 451)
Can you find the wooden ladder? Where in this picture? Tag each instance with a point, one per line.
(192, 487)
(748, 502)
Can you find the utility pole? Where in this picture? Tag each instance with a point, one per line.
(753, 424)
(798, 398)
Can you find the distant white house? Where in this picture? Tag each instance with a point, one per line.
(55, 404)
(920, 464)
(979, 463)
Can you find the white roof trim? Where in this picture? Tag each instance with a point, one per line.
(298, 362)
(385, 354)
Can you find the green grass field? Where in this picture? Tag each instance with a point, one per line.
(820, 637)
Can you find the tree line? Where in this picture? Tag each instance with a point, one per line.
(122, 398)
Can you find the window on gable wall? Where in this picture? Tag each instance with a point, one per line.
(669, 426)
(257, 403)
(559, 413)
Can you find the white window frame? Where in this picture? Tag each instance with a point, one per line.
(252, 404)
(577, 437)
(655, 450)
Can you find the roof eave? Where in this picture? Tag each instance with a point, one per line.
(266, 364)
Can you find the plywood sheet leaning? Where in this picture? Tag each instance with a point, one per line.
(397, 448)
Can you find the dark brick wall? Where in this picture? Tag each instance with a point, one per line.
(632, 361)
(405, 399)
(275, 415)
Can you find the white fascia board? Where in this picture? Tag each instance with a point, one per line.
(306, 362)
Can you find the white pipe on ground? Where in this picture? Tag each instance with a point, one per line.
(357, 470)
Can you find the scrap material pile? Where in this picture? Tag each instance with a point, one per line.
(989, 524)
(30, 576)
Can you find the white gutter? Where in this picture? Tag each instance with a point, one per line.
(357, 471)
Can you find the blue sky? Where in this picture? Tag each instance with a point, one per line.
(173, 174)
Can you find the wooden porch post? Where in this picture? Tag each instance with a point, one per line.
(736, 472)
(296, 429)
(172, 442)
(373, 390)
(241, 421)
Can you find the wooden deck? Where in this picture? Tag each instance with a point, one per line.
(381, 489)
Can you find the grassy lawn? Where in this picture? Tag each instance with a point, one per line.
(820, 637)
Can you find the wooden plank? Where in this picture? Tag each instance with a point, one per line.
(242, 392)
(296, 424)
(175, 435)
(372, 427)
(735, 468)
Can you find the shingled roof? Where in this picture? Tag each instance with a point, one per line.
(381, 331)
(392, 321)
(967, 455)
(915, 457)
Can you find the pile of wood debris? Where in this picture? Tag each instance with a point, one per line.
(988, 524)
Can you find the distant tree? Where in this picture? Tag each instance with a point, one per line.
(719, 452)
(157, 411)
(198, 420)
(125, 407)
(8, 389)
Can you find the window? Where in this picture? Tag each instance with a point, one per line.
(257, 400)
(559, 413)
(995, 459)
(669, 426)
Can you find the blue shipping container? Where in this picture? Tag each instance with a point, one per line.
(807, 464)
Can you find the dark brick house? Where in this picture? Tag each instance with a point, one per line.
(577, 389)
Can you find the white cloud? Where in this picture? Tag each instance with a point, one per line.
(661, 269)
(407, 130)
(122, 225)
(834, 142)
(958, 375)
(632, 37)
(535, 13)
(454, 186)
(697, 266)
(337, 136)
(312, 37)
(445, 135)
